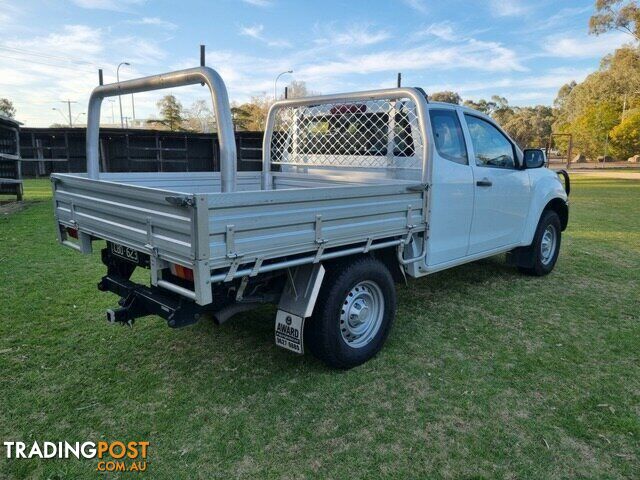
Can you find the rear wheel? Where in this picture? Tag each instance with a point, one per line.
(353, 314)
(545, 248)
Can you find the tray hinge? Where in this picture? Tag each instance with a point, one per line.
(422, 187)
(232, 270)
(410, 225)
(230, 242)
(153, 249)
(73, 221)
(256, 267)
(181, 200)
(318, 229)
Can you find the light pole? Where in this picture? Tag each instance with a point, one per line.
(113, 117)
(67, 120)
(119, 97)
(78, 116)
(275, 84)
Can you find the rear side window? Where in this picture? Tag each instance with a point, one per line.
(448, 136)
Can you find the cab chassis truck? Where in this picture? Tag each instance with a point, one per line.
(357, 191)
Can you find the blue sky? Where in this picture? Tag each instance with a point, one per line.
(523, 50)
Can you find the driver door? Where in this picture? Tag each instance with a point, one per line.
(501, 189)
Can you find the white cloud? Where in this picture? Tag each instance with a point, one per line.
(472, 54)
(354, 35)
(259, 3)
(417, 5)
(508, 8)
(8, 13)
(552, 80)
(38, 72)
(74, 40)
(558, 20)
(154, 21)
(140, 50)
(583, 46)
(115, 5)
(256, 32)
(442, 30)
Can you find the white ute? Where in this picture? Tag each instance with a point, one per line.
(357, 191)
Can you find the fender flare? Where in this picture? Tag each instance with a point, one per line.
(548, 194)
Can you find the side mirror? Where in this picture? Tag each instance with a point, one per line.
(534, 158)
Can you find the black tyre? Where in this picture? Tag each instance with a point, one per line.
(543, 252)
(353, 313)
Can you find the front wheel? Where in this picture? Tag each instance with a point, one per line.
(545, 248)
(353, 313)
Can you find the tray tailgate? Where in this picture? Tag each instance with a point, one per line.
(136, 217)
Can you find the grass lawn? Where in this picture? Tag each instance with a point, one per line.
(486, 374)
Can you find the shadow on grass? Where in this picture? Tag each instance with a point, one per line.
(255, 328)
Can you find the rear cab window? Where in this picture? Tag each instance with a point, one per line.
(448, 136)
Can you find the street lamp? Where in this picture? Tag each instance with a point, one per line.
(113, 117)
(67, 120)
(119, 97)
(78, 116)
(275, 84)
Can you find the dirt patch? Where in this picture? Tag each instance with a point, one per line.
(11, 207)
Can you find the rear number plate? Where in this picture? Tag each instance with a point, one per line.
(125, 253)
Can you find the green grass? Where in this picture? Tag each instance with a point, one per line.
(486, 374)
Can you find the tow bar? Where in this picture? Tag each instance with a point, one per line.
(140, 301)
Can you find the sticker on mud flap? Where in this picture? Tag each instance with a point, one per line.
(289, 331)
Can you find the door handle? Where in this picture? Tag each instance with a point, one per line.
(485, 182)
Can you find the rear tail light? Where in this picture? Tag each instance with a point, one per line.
(182, 272)
(72, 232)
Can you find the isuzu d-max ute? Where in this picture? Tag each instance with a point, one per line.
(357, 191)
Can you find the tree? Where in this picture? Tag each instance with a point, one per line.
(619, 15)
(502, 112)
(299, 89)
(171, 112)
(498, 107)
(563, 93)
(591, 130)
(200, 118)
(481, 105)
(625, 137)
(252, 115)
(602, 93)
(446, 96)
(6, 108)
(530, 126)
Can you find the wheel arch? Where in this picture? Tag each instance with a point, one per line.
(559, 206)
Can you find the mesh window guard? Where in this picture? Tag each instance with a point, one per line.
(368, 134)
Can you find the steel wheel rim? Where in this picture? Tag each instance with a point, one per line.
(548, 244)
(361, 314)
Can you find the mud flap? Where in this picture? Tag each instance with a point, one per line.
(296, 304)
(289, 329)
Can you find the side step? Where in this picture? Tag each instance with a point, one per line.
(140, 301)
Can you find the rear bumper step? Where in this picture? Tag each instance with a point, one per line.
(140, 301)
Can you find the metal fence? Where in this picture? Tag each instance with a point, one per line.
(63, 150)
(10, 167)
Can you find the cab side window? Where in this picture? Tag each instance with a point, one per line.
(448, 136)
(492, 148)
